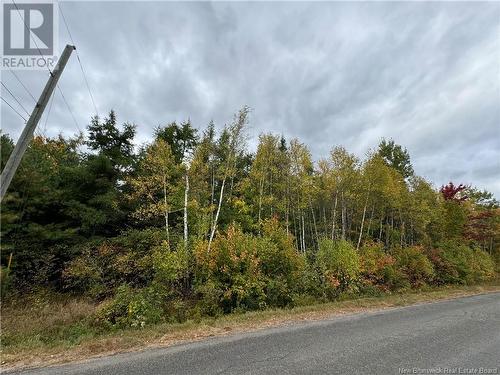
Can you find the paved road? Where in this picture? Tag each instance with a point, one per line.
(457, 335)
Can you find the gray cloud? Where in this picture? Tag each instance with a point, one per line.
(425, 74)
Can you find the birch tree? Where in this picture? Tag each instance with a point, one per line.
(151, 188)
(230, 146)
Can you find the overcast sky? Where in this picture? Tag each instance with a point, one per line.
(425, 74)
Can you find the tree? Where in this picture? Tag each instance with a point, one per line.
(152, 186)
(300, 175)
(481, 198)
(264, 182)
(108, 141)
(454, 193)
(345, 169)
(396, 156)
(182, 141)
(424, 210)
(230, 148)
(107, 166)
(42, 217)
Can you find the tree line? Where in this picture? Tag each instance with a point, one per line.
(198, 218)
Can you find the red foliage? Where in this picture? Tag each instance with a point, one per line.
(453, 193)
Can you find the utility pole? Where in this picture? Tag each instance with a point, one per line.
(27, 134)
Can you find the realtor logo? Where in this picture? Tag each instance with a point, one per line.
(30, 36)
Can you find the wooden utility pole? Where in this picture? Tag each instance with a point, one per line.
(27, 134)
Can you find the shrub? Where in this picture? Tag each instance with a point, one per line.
(483, 266)
(233, 267)
(374, 263)
(170, 266)
(460, 257)
(339, 263)
(104, 265)
(445, 270)
(131, 308)
(413, 262)
(395, 278)
(5, 279)
(280, 264)
(458, 263)
(279, 257)
(210, 296)
(278, 292)
(246, 272)
(310, 282)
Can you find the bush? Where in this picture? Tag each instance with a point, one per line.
(395, 278)
(279, 257)
(246, 272)
(460, 257)
(132, 308)
(279, 292)
(457, 263)
(310, 282)
(375, 263)
(5, 279)
(483, 266)
(104, 265)
(210, 296)
(170, 266)
(445, 270)
(413, 262)
(281, 265)
(232, 266)
(339, 263)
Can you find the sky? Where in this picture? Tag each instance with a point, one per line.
(426, 74)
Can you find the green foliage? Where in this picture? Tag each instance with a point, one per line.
(104, 265)
(454, 219)
(377, 267)
(280, 265)
(339, 262)
(483, 266)
(186, 227)
(154, 190)
(106, 138)
(413, 262)
(182, 138)
(5, 281)
(170, 266)
(459, 264)
(396, 156)
(279, 257)
(232, 264)
(246, 272)
(131, 308)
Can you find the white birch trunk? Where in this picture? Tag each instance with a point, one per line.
(166, 208)
(214, 226)
(186, 192)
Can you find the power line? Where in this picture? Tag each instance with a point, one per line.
(22, 84)
(87, 84)
(31, 36)
(79, 61)
(15, 110)
(40, 52)
(17, 101)
(69, 109)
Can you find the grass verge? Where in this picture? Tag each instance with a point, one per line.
(46, 334)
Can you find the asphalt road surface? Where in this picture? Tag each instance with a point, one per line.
(456, 336)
